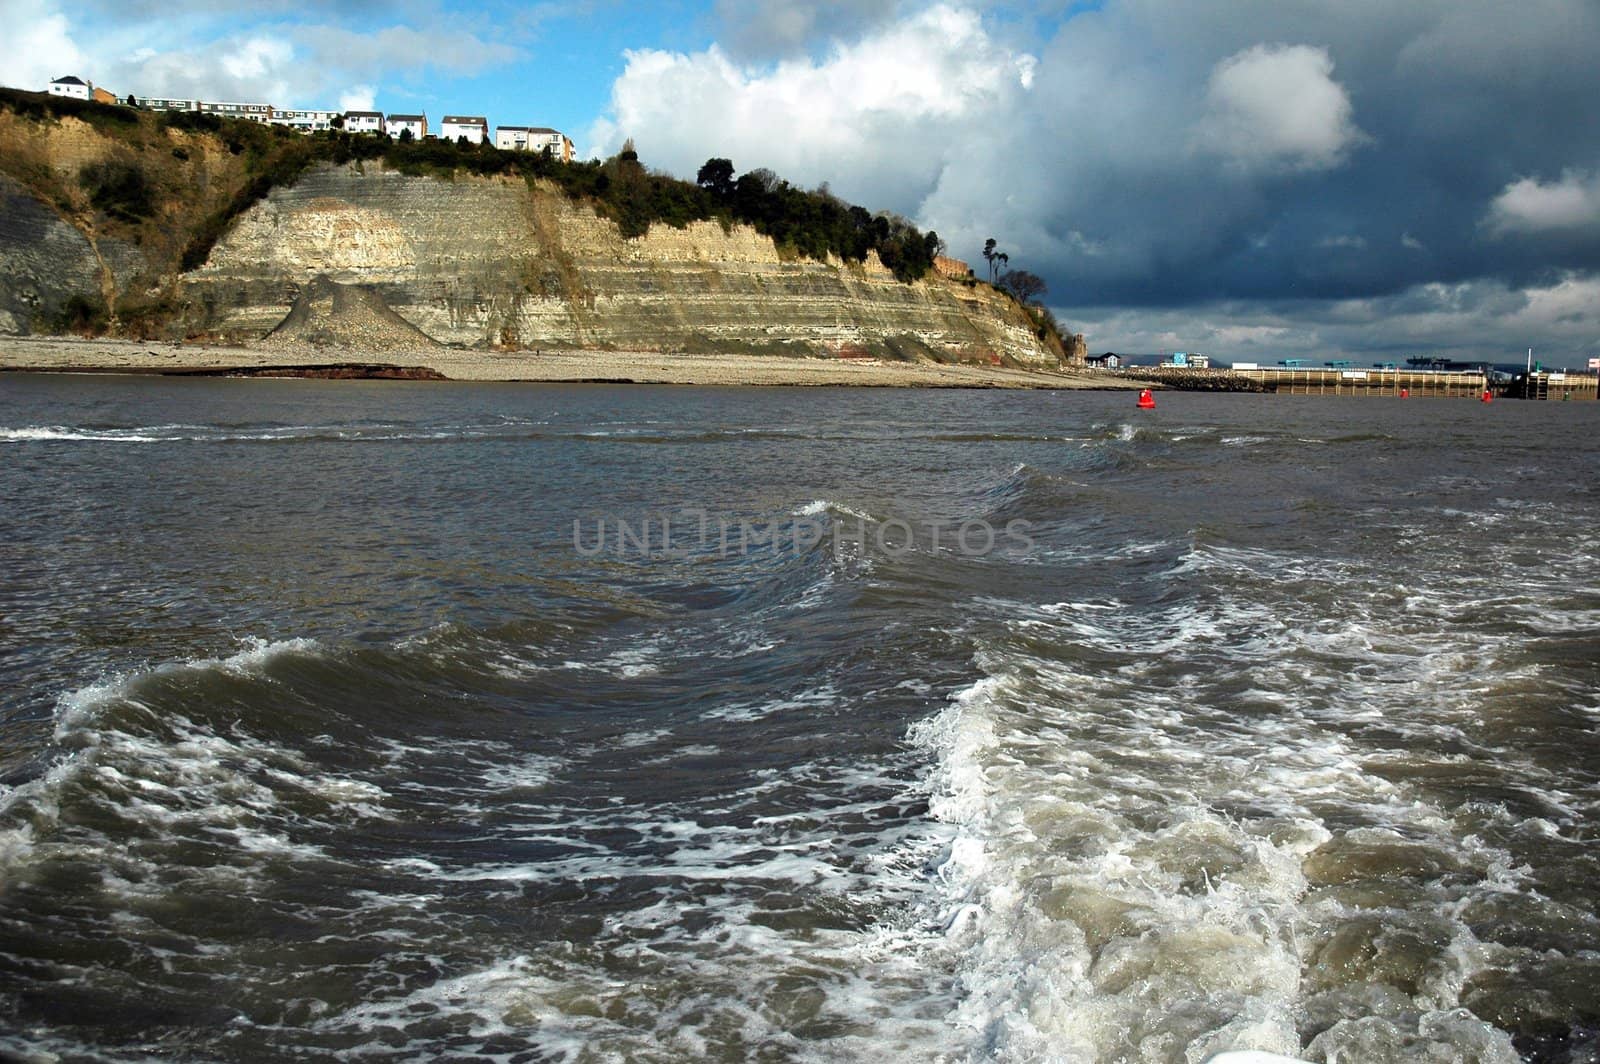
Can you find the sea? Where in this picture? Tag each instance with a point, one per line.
(395, 721)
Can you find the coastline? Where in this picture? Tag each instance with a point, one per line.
(58, 354)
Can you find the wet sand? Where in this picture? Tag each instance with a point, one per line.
(72, 355)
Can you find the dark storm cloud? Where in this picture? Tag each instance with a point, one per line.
(1450, 104)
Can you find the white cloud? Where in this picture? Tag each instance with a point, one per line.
(257, 57)
(1277, 107)
(358, 98)
(1530, 206)
(877, 119)
(36, 46)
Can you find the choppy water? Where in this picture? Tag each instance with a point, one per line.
(1275, 726)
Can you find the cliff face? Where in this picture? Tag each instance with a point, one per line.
(495, 261)
(97, 217)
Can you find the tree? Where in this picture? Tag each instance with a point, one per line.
(131, 101)
(716, 176)
(337, 121)
(1027, 287)
(991, 255)
(406, 136)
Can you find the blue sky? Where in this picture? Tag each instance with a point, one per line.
(1251, 178)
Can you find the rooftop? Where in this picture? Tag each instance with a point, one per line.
(465, 120)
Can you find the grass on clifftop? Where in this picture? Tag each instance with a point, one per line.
(808, 223)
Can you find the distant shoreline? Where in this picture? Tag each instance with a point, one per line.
(32, 354)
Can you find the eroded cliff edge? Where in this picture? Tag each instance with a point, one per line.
(502, 262)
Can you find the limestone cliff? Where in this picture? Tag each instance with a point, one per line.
(495, 261)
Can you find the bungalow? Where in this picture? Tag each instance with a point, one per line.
(100, 95)
(416, 125)
(474, 127)
(304, 121)
(250, 112)
(72, 87)
(1109, 360)
(534, 138)
(363, 122)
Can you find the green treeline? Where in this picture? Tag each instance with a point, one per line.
(806, 223)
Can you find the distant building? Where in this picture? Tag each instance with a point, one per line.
(474, 127)
(363, 122)
(417, 125)
(304, 121)
(71, 87)
(154, 103)
(534, 138)
(100, 95)
(945, 266)
(1109, 360)
(250, 112)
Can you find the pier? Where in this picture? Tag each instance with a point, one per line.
(1296, 380)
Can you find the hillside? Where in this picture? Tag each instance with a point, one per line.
(174, 226)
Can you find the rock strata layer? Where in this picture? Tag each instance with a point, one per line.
(497, 262)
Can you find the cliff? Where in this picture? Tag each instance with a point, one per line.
(494, 261)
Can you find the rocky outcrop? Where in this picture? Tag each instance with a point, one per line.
(51, 272)
(497, 262)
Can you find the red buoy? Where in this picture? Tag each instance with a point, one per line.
(1487, 397)
(1405, 393)
(1146, 400)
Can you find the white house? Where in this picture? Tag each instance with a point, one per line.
(304, 121)
(534, 138)
(416, 124)
(363, 122)
(250, 112)
(74, 87)
(474, 127)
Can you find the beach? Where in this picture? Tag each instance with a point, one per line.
(74, 355)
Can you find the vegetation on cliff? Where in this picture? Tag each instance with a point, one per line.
(129, 192)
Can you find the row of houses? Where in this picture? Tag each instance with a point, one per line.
(472, 129)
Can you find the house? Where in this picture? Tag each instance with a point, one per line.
(474, 127)
(1109, 360)
(363, 122)
(72, 87)
(534, 138)
(250, 112)
(152, 103)
(416, 125)
(304, 121)
(99, 95)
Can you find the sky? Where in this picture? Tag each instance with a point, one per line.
(1255, 179)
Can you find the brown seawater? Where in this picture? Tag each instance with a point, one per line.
(333, 723)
